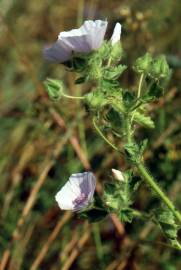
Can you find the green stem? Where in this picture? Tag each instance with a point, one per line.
(128, 128)
(138, 94)
(98, 242)
(149, 178)
(102, 135)
(72, 97)
(152, 183)
(140, 85)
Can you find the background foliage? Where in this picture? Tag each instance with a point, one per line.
(42, 142)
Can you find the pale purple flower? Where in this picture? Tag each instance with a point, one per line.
(78, 192)
(85, 39)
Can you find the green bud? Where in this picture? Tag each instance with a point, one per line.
(160, 68)
(110, 198)
(113, 73)
(54, 88)
(142, 64)
(96, 99)
(95, 68)
(116, 52)
(104, 51)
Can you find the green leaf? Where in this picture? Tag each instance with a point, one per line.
(155, 91)
(79, 63)
(132, 152)
(118, 195)
(93, 215)
(159, 67)
(80, 80)
(126, 215)
(116, 52)
(167, 223)
(115, 119)
(94, 67)
(142, 145)
(54, 88)
(96, 211)
(142, 64)
(143, 120)
(128, 98)
(105, 50)
(96, 99)
(110, 188)
(113, 73)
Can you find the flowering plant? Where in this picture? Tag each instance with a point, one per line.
(120, 111)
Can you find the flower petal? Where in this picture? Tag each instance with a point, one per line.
(95, 33)
(77, 192)
(86, 38)
(116, 34)
(57, 52)
(65, 197)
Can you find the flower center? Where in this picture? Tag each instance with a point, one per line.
(80, 199)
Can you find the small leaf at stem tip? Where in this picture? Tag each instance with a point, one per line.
(142, 64)
(159, 67)
(54, 88)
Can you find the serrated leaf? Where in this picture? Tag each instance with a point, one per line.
(96, 99)
(113, 73)
(166, 221)
(94, 215)
(126, 215)
(54, 88)
(143, 120)
(142, 64)
(80, 80)
(132, 151)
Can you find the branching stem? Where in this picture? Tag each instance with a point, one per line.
(102, 135)
(149, 179)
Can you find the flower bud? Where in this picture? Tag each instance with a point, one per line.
(142, 64)
(118, 175)
(95, 99)
(116, 52)
(160, 68)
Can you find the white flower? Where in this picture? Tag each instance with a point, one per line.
(78, 192)
(118, 175)
(85, 39)
(116, 34)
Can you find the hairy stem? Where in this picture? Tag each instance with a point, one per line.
(154, 186)
(149, 179)
(128, 128)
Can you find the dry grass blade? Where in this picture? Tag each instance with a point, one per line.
(33, 194)
(66, 217)
(82, 241)
(73, 140)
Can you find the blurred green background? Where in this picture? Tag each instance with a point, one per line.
(43, 142)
